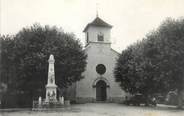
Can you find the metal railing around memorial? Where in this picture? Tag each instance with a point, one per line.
(44, 104)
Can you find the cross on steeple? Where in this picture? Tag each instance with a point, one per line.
(97, 9)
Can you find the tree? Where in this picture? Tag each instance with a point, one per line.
(6, 58)
(7, 69)
(31, 49)
(155, 64)
(136, 73)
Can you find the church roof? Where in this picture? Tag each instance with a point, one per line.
(98, 22)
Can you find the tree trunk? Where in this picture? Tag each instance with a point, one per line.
(180, 99)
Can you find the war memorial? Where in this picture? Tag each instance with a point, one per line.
(50, 100)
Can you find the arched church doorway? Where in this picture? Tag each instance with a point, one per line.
(101, 93)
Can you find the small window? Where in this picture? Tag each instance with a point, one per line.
(100, 37)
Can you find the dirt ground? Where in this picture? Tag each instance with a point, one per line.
(103, 109)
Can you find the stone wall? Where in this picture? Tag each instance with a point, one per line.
(93, 100)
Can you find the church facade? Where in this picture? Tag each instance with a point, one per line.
(99, 84)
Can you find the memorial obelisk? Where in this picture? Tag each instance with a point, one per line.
(51, 87)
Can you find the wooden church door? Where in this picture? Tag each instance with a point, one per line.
(101, 94)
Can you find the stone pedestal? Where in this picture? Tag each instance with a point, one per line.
(51, 93)
(61, 100)
(40, 102)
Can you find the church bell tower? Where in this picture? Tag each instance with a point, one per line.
(98, 31)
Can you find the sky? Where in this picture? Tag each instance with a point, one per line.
(131, 19)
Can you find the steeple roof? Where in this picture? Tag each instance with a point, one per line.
(98, 22)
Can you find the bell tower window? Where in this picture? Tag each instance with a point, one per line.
(100, 37)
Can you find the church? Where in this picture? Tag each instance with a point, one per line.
(99, 84)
